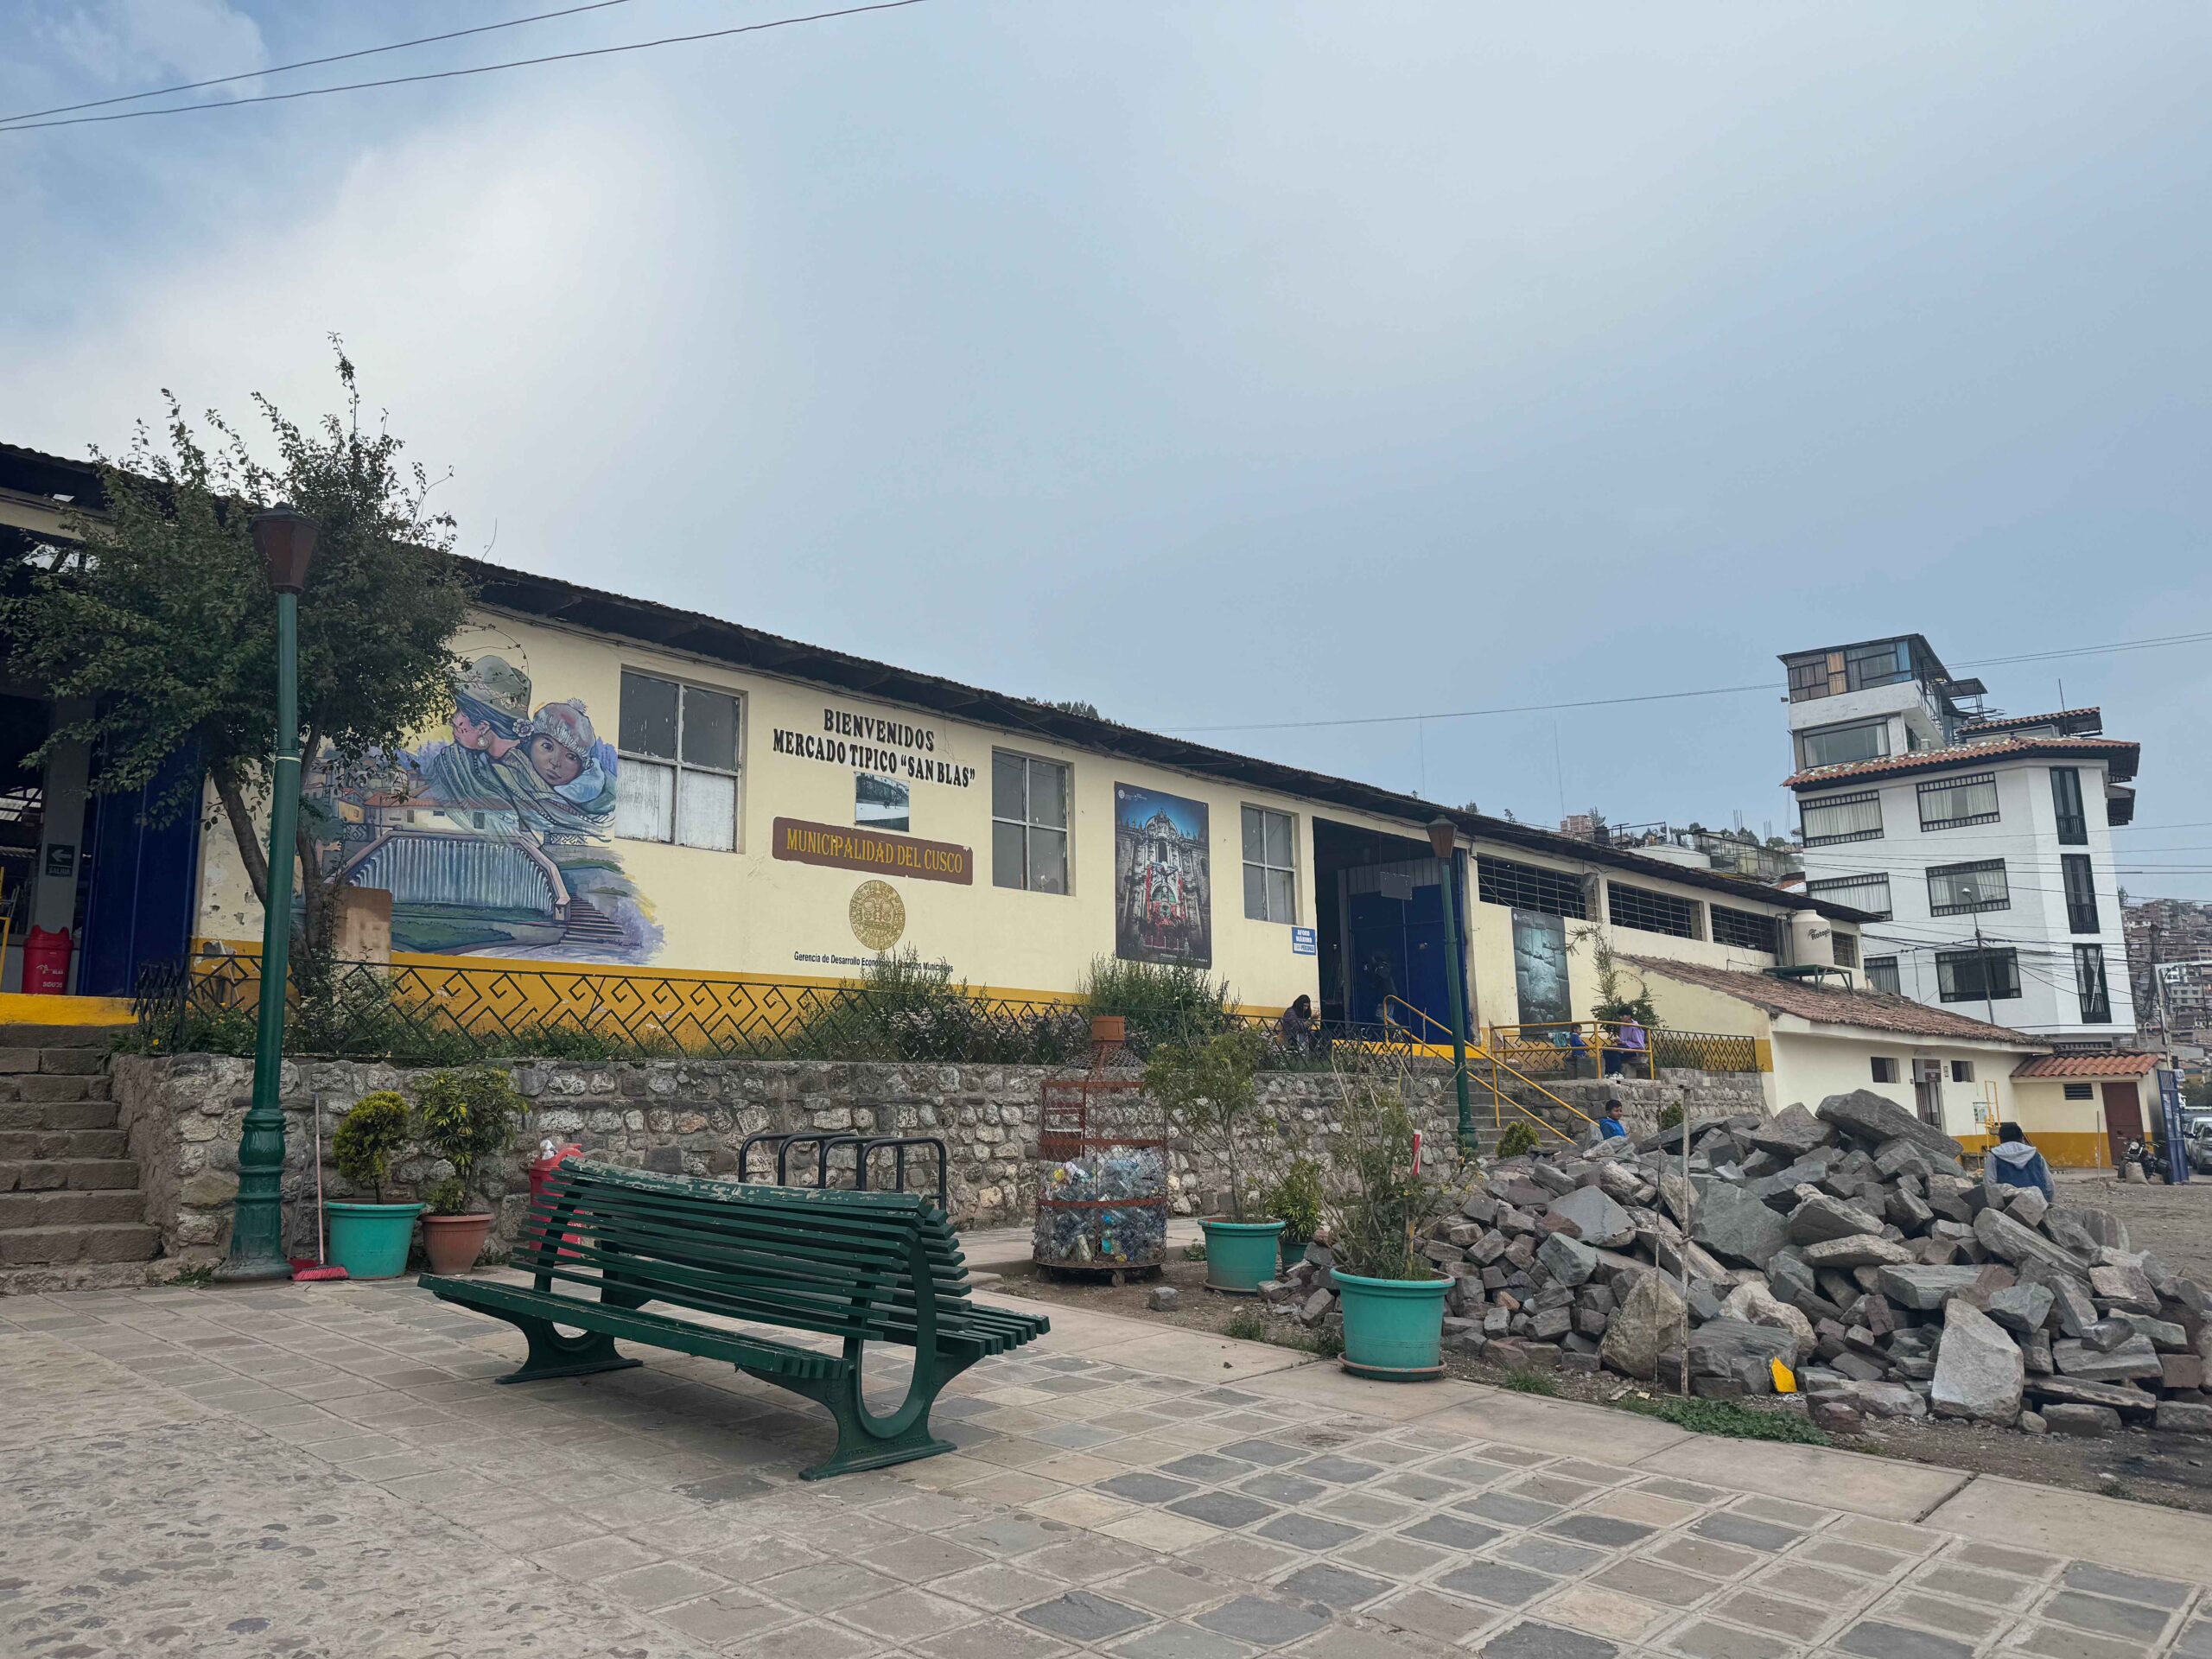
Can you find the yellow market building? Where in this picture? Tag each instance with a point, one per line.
(643, 792)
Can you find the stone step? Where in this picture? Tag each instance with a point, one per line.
(112, 1241)
(40, 1088)
(45, 1279)
(58, 1115)
(29, 1145)
(69, 1174)
(72, 1062)
(92, 1037)
(65, 1208)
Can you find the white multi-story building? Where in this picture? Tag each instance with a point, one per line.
(1980, 843)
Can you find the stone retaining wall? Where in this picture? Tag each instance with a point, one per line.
(183, 1113)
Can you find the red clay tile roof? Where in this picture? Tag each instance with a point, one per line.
(2087, 1065)
(2123, 757)
(1832, 1005)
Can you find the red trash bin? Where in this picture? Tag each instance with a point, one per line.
(541, 1171)
(45, 960)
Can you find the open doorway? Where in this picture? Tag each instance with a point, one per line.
(1379, 927)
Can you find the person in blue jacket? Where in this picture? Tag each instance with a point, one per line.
(2013, 1162)
(1609, 1125)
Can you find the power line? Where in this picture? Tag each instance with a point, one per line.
(311, 63)
(480, 69)
(1663, 696)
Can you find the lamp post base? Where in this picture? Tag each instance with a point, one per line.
(251, 1269)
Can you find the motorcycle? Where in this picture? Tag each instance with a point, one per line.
(2145, 1157)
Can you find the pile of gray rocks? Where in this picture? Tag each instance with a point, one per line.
(1849, 1242)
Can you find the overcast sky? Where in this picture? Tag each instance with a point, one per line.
(1229, 362)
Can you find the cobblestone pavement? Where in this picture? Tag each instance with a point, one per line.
(313, 1471)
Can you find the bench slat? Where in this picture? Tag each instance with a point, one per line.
(760, 1352)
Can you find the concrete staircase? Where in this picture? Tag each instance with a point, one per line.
(70, 1203)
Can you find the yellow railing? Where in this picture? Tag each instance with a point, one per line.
(1426, 1031)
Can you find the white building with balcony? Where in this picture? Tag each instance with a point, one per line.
(1981, 843)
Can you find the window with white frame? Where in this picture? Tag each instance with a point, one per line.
(1884, 1068)
(1835, 746)
(1836, 818)
(1868, 892)
(681, 768)
(1953, 803)
(1962, 1071)
(1029, 823)
(1270, 870)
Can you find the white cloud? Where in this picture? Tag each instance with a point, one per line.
(127, 41)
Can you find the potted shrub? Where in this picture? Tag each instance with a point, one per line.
(1207, 1091)
(369, 1240)
(465, 1117)
(1380, 1204)
(1297, 1198)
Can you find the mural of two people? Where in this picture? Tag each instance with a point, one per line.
(496, 840)
(1163, 878)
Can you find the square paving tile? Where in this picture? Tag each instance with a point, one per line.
(1279, 1488)
(2131, 1620)
(904, 1614)
(1224, 1508)
(1333, 1587)
(1273, 1453)
(1083, 1616)
(1775, 1614)
(1597, 1611)
(1451, 1532)
(1442, 1618)
(1261, 1621)
(1960, 1618)
(1394, 1557)
(1603, 1530)
(1530, 1640)
(1206, 1466)
(1165, 1591)
(1730, 1527)
(1141, 1487)
(1666, 1585)
(1708, 1640)
(996, 1585)
(1963, 1583)
(661, 1584)
(1874, 1639)
(2126, 1586)
(1549, 1555)
(1308, 1532)
(1422, 1489)
(1178, 1641)
(1497, 1582)
(1338, 1471)
(1508, 1507)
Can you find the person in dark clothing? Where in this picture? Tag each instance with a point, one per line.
(1609, 1126)
(1296, 1026)
(2014, 1162)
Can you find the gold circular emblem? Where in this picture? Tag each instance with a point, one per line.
(878, 915)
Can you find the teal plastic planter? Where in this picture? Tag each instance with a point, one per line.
(1293, 1250)
(1394, 1328)
(370, 1241)
(1240, 1255)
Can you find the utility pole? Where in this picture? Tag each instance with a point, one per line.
(1981, 961)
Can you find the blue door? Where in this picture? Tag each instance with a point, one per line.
(138, 902)
(1396, 947)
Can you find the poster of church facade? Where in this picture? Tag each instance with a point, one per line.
(1163, 881)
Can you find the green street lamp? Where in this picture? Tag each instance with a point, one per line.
(285, 536)
(1444, 837)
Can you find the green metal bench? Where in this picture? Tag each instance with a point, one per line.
(858, 1267)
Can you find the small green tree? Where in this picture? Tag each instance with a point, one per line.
(1380, 1199)
(1295, 1200)
(1615, 999)
(465, 1118)
(1207, 1090)
(1518, 1140)
(373, 1131)
(155, 618)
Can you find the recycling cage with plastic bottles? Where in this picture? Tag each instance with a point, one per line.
(1102, 1176)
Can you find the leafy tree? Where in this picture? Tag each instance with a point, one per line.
(1207, 1090)
(159, 617)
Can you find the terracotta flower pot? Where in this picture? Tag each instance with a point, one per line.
(453, 1242)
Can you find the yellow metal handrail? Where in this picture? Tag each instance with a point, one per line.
(1500, 1099)
(1444, 1032)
